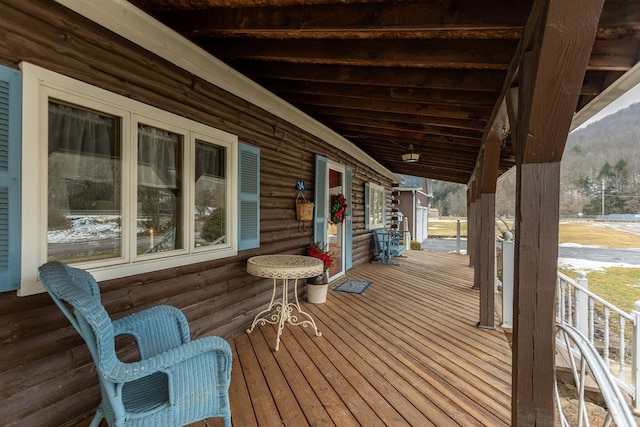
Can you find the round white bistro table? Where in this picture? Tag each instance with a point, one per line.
(284, 268)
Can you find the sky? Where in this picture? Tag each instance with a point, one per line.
(630, 97)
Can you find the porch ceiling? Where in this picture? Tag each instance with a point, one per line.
(385, 75)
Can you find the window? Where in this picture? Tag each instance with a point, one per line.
(118, 187)
(84, 209)
(375, 206)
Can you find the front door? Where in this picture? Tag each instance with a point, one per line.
(332, 224)
(336, 201)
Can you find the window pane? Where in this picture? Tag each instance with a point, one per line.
(84, 211)
(376, 206)
(210, 195)
(160, 192)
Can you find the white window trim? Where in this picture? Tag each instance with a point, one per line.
(373, 187)
(38, 85)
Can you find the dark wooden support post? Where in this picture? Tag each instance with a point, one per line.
(474, 225)
(487, 233)
(471, 221)
(556, 45)
(536, 260)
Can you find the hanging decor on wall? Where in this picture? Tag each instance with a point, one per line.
(304, 208)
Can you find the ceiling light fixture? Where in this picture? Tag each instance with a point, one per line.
(411, 155)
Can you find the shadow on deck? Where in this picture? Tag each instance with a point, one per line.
(406, 352)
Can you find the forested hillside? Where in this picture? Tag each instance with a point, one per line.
(605, 152)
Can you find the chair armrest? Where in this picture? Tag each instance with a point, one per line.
(156, 329)
(121, 372)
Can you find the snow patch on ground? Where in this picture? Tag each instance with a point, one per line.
(587, 265)
(88, 227)
(577, 245)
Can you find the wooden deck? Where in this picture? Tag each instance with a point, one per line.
(405, 353)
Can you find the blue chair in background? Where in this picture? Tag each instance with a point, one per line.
(387, 245)
(175, 382)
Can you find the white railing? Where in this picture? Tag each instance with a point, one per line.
(613, 332)
(586, 366)
(505, 282)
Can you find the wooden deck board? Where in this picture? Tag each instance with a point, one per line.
(434, 370)
(405, 353)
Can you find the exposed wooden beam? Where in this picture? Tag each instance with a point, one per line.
(506, 32)
(555, 55)
(559, 72)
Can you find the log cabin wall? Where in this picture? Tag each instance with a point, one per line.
(46, 373)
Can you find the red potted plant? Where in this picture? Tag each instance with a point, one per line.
(317, 286)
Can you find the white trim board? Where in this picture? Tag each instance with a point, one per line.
(126, 20)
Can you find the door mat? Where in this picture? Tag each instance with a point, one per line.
(353, 286)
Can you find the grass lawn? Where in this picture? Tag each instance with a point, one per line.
(620, 286)
(581, 233)
(447, 226)
(597, 234)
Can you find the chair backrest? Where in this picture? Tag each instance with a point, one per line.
(380, 239)
(77, 295)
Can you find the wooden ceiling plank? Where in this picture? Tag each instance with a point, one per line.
(405, 94)
(339, 122)
(347, 129)
(417, 109)
(456, 79)
(362, 16)
(469, 124)
(616, 55)
(468, 54)
(438, 161)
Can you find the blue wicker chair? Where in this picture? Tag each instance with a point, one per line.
(176, 381)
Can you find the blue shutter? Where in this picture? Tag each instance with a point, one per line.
(348, 222)
(366, 205)
(248, 196)
(10, 178)
(320, 208)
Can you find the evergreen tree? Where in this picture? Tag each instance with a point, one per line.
(611, 180)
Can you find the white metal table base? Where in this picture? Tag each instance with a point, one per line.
(281, 312)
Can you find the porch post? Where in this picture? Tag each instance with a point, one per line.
(487, 232)
(471, 220)
(536, 266)
(555, 50)
(477, 227)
